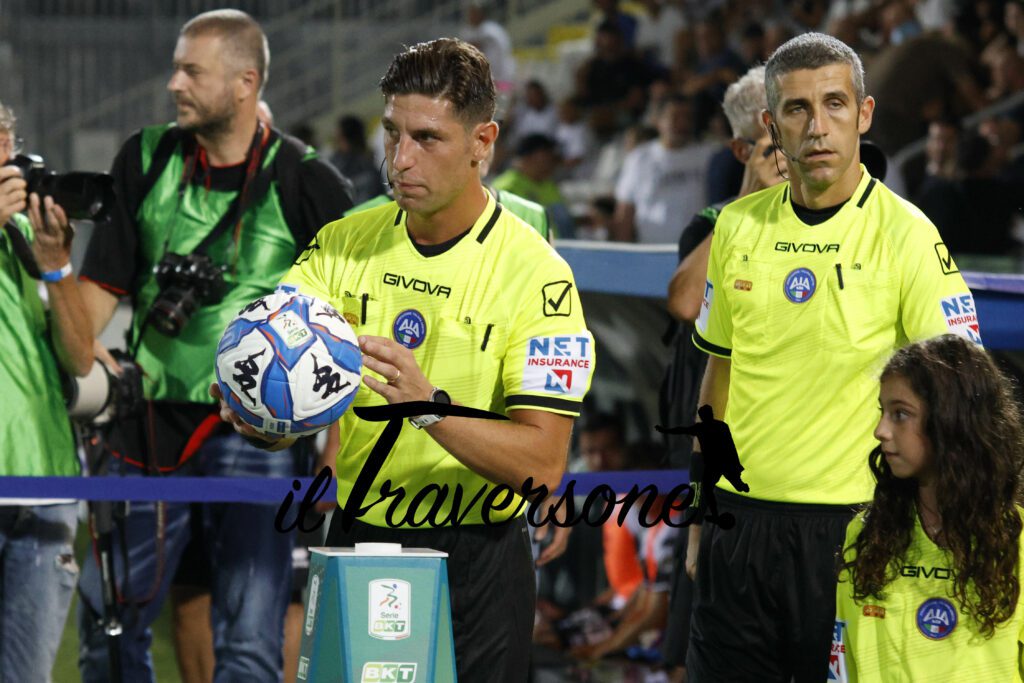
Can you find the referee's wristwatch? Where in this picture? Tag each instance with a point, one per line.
(436, 396)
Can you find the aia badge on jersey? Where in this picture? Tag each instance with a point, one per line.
(936, 618)
(410, 328)
(559, 366)
(837, 657)
(961, 316)
(800, 285)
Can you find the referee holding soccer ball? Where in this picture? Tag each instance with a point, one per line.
(811, 285)
(455, 300)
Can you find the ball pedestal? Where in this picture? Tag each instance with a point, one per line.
(377, 613)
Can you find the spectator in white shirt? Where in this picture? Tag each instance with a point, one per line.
(535, 114)
(658, 29)
(663, 181)
(493, 40)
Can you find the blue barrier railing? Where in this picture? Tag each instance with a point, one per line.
(266, 490)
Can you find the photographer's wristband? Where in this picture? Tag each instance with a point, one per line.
(436, 396)
(56, 275)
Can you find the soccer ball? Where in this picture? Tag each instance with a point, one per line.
(289, 364)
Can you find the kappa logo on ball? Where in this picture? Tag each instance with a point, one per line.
(962, 317)
(410, 328)
(800, 285)
(390, 609)
(388, 672)
(559, 365)
(837, 658)
(936, 618)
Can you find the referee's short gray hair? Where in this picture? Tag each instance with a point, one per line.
(811, 51)
(743, 103)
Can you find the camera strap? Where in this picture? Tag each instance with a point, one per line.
(255, 186)
(22, 250)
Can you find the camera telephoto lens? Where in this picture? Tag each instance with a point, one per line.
(172, 310)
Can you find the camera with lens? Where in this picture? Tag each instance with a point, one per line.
(82, 195)
(103, 396)
(186, 282)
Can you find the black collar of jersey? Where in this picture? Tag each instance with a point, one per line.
(429, 250)
(438, 249)
(818, 216)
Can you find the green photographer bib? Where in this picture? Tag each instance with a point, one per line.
(182, 368)
(35, 434)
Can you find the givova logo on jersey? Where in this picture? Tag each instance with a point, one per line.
(837, 657)
(559, 365)
(961, 316)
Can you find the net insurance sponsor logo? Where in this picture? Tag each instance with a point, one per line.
(837, 658)
(389, 672)
(559, 365)
(962, 317)
(390, 601)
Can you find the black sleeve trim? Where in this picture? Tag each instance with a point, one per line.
(707, 347)
(490, 223)
(543, 402)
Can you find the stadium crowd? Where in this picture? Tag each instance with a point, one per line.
(661, 129)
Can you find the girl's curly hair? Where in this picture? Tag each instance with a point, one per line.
(973, 426)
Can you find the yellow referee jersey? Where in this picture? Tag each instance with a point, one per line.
(495, 321)
(918, 632)
(809, 316)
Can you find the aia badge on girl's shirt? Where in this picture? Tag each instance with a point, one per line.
(936, 618)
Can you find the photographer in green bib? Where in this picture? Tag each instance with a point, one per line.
(43, 328)
(212, 211)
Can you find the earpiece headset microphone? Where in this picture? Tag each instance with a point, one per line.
(387, 181)
(777, 141)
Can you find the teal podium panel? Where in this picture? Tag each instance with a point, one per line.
(377, 613)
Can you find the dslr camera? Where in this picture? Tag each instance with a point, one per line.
(186, 282)
(82, 195)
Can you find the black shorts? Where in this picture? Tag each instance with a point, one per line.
(493, 591)
(764, 599)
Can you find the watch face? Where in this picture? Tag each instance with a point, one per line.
(441, 396)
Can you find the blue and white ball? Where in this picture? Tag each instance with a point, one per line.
(289, 364)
